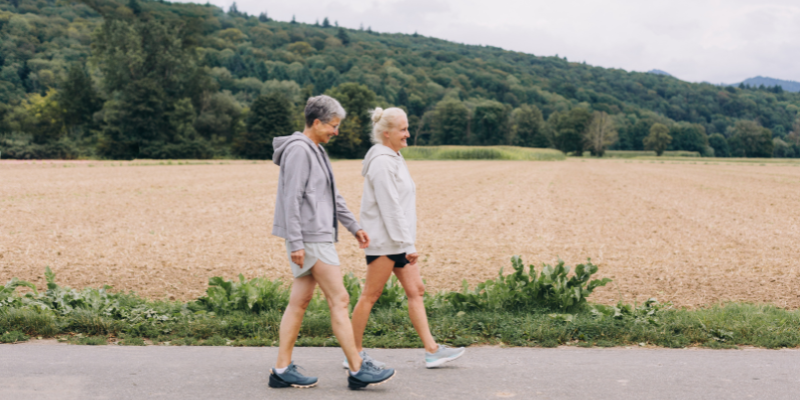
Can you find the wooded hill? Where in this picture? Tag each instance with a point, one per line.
(146, 79)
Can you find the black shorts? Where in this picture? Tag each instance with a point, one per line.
(400, 260)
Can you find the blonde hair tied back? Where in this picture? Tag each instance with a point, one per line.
(377, 113)
(383, 120)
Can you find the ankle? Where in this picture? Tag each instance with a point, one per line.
(433, 349)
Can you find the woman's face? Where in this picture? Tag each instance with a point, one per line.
(396, 137)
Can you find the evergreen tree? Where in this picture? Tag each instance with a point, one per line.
(233, 10)
(146, 69)
(135, 7)
(326, 23)
(270, 116)
(263, 17)
(343, 36)
(402, 97)
(78, 97)
(353, 140)
(293, 21)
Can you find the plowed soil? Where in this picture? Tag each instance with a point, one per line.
(690, 233)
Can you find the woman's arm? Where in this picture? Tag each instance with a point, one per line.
(296, 166)
(381, 176)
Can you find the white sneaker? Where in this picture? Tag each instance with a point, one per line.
(443, 355)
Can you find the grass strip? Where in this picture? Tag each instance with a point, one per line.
(722, 326)
(531, 307)
(481, 153)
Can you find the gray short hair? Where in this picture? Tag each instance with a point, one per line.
(324, 108)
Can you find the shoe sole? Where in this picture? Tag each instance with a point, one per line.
(276, 382)
(441, 361)
(354, 384)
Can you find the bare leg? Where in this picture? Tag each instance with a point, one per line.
(302, 291)
(378, 272)
(412, 283)
(329, 278)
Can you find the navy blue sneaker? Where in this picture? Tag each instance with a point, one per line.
(369, 375)
(291, 378)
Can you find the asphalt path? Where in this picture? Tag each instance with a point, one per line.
(58, 371)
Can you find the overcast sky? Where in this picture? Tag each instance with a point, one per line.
(695, 40)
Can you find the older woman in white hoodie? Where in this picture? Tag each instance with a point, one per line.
(388, 213)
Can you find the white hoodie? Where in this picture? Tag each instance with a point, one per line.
(388, 206)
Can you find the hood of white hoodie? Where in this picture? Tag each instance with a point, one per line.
(374, 152)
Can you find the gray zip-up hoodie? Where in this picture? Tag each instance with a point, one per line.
(308, 205)
(388, 206)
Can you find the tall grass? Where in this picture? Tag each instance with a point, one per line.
(481, 153)
(644, 153)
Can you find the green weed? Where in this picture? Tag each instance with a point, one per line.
(132, 341)
(541, 308)
(552, 288)
(13, 337)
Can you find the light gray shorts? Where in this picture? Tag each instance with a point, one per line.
(323, 251)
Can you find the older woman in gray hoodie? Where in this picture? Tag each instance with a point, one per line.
(308, 210)
(388, 213)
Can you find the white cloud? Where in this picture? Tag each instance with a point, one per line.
(695, 40)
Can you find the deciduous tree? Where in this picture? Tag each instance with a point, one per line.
(528, 127)
(658, 139)
(600, 134)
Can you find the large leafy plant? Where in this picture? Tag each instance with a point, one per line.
(551, 288)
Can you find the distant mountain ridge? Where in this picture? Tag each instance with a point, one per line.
(659, 72)
(789, 86)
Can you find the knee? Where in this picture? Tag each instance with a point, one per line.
(416, 292)
(371, 297)
(302, 302)
(339, 301)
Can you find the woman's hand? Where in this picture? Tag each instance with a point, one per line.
(298, 257)
(363, 239)
(412, 258)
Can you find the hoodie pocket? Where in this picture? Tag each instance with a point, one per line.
(324, 217)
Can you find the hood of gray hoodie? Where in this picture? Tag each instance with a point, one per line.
(280, 143)
(374, 152)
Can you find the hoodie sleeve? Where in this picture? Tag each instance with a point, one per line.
(344, 215)
(297, 167)
(383, 182)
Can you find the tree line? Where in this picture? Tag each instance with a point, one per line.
(150, 79)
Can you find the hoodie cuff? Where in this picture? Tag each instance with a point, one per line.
(354, 228)
(411, 249)
(296, 245)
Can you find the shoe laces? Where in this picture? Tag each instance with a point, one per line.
(369, 365)
(293, 367)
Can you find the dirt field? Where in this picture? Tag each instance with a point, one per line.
(692, 234)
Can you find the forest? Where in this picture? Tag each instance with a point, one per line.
(149, 79)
